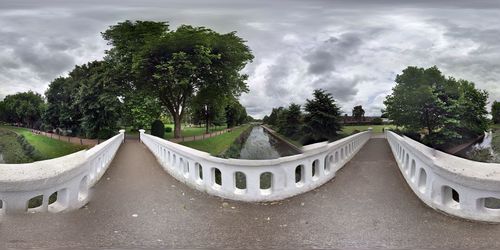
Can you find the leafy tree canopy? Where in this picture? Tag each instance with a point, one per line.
(26, 108)
(443, 109)
(180, 64)
(322, 118)
(495, 112)
(358, 112)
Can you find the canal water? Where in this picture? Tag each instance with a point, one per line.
(1, 158)
(261, 145)
(484, 150)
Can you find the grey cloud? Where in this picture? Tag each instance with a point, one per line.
(351, 48)
(342, 89)
(324, 57)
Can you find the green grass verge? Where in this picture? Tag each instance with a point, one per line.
(348, 130)
(218, 144)
(284, 138)
(191, 131)
(11, 149)
(47, 147)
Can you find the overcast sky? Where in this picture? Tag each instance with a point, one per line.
(353, 49)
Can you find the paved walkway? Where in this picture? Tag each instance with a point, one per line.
(367, 205)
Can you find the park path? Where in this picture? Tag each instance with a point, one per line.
(137, 204)
(200, 137)
(70, 139)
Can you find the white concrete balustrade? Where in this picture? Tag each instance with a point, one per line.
(67, 180)
(456, 186)
(255, 180)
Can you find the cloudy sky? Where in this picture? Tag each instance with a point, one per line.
(353, 49)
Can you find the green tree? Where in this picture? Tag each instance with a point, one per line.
(236, 114)
(140, 109)
(273, 118)
(265, 120)
(3, 111)
(98, 101)
(358, 113)
(443, 109)
(177, 64)
(209, 108)
(322, 118)
(291, 122)
(471, 106)
(495, 112)
(26, 108)
(62, 109)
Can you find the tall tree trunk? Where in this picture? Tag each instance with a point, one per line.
(206, 124)
(177, 126)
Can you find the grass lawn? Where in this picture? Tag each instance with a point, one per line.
(47, 147)
(191, 131)
(348, 130)
(216, 145)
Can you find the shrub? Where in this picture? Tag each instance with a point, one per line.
(105, 133)
(158, 129)
(28, 149)
(377, 121)
(168, 129)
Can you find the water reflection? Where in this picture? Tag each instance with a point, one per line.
(1, 158)
(261, 145)
(483, 150)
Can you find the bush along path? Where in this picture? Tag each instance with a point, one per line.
(12, 150)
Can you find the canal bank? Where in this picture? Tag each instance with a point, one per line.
(486, 149)
(258, 143)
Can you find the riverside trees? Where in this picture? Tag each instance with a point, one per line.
(26, 108)
(441, 109)
(180, 65)
(320, 122)
(148, 69)
(495, 112)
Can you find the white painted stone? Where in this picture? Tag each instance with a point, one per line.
(71, 176)
(182, 163)
(473, 181)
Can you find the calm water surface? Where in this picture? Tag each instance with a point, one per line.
(484, 150)
(261, 145)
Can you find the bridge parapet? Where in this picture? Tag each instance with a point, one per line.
(255, 180)
(457, 186)
(55, 185)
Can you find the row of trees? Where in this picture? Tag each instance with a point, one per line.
(22, 108)
(321, 120)
(436, 109)
(150, 72)
(187, 67)
(495, 112)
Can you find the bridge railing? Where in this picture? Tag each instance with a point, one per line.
(58, 184)
(255, 180)
(454, 185)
